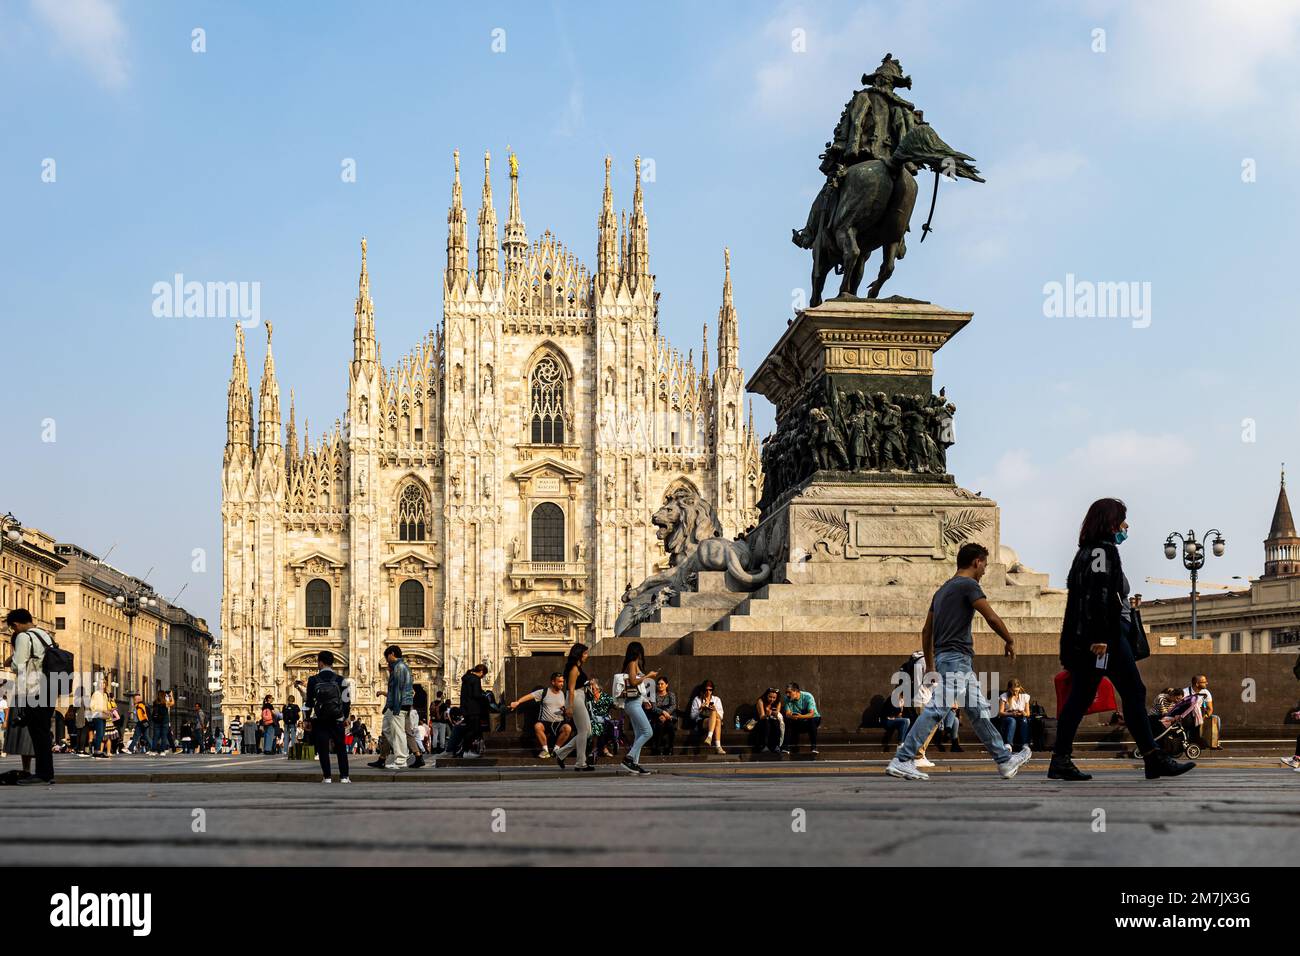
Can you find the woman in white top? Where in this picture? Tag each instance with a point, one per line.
(706, 710)
(634, 690)
(1013, 715)
(101, 710)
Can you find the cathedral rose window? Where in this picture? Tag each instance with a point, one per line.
(547, 395)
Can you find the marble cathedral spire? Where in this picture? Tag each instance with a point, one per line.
(638, 266)
(728, 334)
(239, 402)
(514, 242)
(607, 241)
(291, 439)
(457, 272)
(486, 269)
(363, 334)
(268, 404)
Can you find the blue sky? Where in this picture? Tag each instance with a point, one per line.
(1117, 165)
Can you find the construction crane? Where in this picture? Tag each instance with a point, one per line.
(1201, 585)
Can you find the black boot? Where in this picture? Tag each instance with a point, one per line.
(1063, 768)
(1160, 764)
(955, 737)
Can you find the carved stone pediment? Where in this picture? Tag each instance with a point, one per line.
(410, 564)
(548, 477)
(317, 564)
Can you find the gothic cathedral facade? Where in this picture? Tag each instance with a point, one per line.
(490, 495)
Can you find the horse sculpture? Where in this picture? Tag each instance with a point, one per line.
(872, 209)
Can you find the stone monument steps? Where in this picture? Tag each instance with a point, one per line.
(742, 640)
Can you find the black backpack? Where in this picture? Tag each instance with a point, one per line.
(329, 700)
(56, 662)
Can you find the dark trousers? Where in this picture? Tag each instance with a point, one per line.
(325, 732)
(37, 720)
(795, 727)
(1085, 676)
(768, 733)
(665, 736)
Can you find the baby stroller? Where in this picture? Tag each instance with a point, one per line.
(1175, 736)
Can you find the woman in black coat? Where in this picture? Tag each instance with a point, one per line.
(1098, 638)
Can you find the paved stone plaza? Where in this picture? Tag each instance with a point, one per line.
(684, 815)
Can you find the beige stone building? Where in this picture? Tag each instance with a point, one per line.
(1263, 619)
(27, 571)
(489, 495)
(88, 621)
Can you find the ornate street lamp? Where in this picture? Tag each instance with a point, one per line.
(130, 603)
(11, 529)
(1194, 556)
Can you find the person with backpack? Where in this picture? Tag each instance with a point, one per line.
(269, 725)
(36, 658)
(327, 704)
(291, 715)
(159, 725)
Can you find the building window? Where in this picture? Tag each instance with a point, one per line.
(60, 623)
(410, 604)
(60, 597)
(412, 513)
(547, 410)
(318, 603)
(1235, 642)
(548, 532)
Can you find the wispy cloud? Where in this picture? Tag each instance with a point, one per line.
(91, 32)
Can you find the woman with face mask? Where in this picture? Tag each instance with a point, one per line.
(1098, 638)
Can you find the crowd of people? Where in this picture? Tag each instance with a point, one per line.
(574, 717)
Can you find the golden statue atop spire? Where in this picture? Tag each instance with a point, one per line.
(514, 165)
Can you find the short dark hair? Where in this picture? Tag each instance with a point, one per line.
(326, 658)
(393, 649)
(476, 669)
(1103, 519)
(555, 674)
(19, 615)
(969, 553)
(792, 686)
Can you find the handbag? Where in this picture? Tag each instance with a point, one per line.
(1138, 637)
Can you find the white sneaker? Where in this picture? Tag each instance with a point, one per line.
(544, 755)
(344, 780)
(924, 763)
(1292, 762)
(708, 741)
(326, 780)
(1018, 759)
(393, 766)
(905, 770)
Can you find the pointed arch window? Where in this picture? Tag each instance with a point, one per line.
(318, 603)
(412, 513)
(548, 532)
(410, 604)
(546, 391)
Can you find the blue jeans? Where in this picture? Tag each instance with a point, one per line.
(268, 738)
(141, 737)
(641, 725)
(290, 732)
(158, 737)
(96, 733)
(957, 685)
(1015, 730)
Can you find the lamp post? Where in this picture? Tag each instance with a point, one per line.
(1193, 553)
(130, 603)
(11, 529)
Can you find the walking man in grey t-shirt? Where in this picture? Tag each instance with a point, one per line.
(949, 647)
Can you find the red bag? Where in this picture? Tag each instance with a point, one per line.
(1104, 701)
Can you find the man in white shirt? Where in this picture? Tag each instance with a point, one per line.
(1210, 728)
(30, 643)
